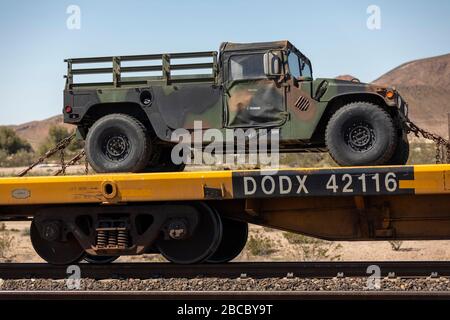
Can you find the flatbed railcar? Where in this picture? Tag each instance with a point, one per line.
(194, 217)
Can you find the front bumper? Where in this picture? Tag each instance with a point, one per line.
(402, 105)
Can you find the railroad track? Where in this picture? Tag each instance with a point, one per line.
(229, 270)
(254, 270)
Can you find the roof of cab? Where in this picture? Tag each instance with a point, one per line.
(230, 46)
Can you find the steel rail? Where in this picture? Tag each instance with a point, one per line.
(229, 270)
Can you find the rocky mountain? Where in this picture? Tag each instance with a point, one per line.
(425, 85)
(35, 132)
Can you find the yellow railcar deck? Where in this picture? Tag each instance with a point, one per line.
(240, 184)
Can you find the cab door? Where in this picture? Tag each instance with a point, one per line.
(251, 98)
(300, 104)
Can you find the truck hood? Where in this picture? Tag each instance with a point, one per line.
(332, 88)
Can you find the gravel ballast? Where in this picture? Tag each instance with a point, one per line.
(220, 284)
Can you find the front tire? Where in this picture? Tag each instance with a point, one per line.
(401, 153)
(361, 134)
(118, 143)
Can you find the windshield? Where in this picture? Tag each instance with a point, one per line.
(294, 65)
(305, 68)
(299, 66)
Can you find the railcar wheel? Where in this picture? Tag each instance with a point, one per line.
(234, 238)
(53, 249)
(100, 259)
(200, 245)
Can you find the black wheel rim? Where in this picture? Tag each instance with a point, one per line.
(201, 245)
(56, 252)
(234, 238)
(116, 147)
(360, 136)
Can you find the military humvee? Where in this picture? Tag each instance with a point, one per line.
(127, 120)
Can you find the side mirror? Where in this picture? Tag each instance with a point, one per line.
(272, 64)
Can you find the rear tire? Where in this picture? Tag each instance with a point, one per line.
(361, 134)
(164, 162)
(118, 143)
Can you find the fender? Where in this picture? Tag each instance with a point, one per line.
(340, 88)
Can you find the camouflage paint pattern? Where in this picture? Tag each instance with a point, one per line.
(219, 102)
(255, 103)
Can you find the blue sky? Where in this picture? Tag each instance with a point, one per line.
(35, 40)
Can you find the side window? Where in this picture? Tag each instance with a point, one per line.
(246, 66)
(306, 69)
(294, 66)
